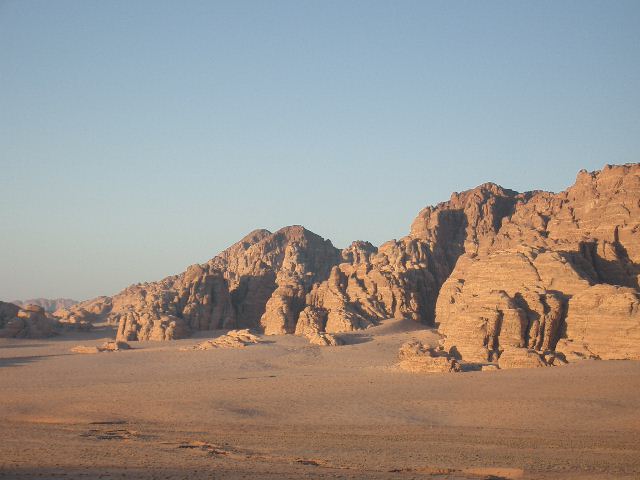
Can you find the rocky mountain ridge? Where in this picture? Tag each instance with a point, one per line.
(533, 276)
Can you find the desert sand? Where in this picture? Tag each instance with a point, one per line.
(283, 408)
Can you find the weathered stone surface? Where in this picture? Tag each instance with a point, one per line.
(573, 351)
(105, 347)
(260, 281)
(311, 321)
(560, 266)
(49, 305)
(82, 315)
(416, 357)
(492, 268)
(606, 319)
(324, 340)
(232, 339)
(150, 326)
(30, 321)
(79, 320)
(499, 300)
(520, 358)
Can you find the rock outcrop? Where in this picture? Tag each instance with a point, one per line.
(417, 358)
(495, 270)
(560, 266)
(520, 358)
(30, 321)
(231, 339)
(83, 315)
(109, 346)
(260, 282)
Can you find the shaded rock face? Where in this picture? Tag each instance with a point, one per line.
(30, 321)
(402, 278)
(395, 280)
(560, 267)
(493, 269)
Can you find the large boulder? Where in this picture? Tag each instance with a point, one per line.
(30, 321)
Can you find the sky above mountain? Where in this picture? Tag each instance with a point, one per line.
(137, 138)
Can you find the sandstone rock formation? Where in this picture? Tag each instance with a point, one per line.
(27, 322)
(261, 281)
(105, 347)
(520, 358)
(82, 315)
(232, 339)
(418, 358)
(323, 339)
(559, 266)
(555, 275)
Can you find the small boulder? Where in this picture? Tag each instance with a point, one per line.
(114, 346)
(232, 339)
(110, 346)
(85, 349)
(417, 357)
(513, 357)
(324, 339)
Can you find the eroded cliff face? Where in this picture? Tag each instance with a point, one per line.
(259, 282)
(561, 273)
(495, 270)
(402, 278)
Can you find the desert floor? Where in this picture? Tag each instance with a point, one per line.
(284, 409)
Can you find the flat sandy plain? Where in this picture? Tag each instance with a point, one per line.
(284, 409)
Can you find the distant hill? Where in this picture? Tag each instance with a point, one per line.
(49, 304)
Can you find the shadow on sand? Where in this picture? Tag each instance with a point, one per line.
(22, 361)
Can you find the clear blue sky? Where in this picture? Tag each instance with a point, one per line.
(137, 137)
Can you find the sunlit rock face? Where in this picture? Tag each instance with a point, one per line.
(28, 321)
(260, 282)
(492, 269)
(561, 267)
